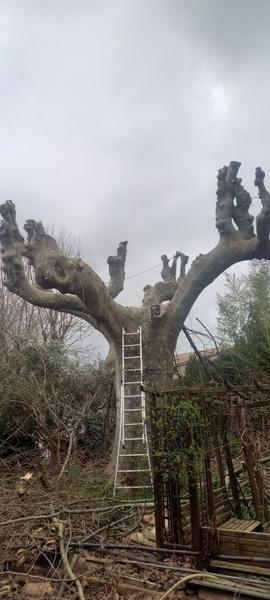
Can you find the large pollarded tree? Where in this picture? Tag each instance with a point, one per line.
(71, 285)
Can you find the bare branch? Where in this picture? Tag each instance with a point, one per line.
(117, 270)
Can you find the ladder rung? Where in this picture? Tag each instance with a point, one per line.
(133, 409)
(133, 471)
(132, 395)
(129, 382)
(128, 357)
(132, 424)
(121, 487)
(130, 455)
(132, 369)
(133, 333)
(133, 439)
(131, 345)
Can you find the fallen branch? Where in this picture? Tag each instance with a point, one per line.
(96, 546)
(65, 561)
(185, 579)
(120, 586)
(21, 575)
(63, 584)
(107, 526)
(71, 435)
(29, 518)
(68, 511)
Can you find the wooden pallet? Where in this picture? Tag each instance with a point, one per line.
(236, 542)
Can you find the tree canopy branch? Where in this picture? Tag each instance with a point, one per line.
(82, 292)
(235, 245)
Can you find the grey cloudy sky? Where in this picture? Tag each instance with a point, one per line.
(115, 116)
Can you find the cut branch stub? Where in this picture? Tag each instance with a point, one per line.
(225, 195)
(117, 270)
(263, 219)
(184, 261)
(240, 212)
(233, 203)
(9, 225)
(165, 290)
(158, 293)
(168, 272)
(12, 246)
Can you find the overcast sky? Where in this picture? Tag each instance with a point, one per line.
(115, 116)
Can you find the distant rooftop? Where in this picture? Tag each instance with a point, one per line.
(182, 359)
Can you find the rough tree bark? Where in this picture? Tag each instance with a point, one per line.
(71, 285)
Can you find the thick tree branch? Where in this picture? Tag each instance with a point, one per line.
(117, 270)
(13, 252)
(235, 245)
(82, 292)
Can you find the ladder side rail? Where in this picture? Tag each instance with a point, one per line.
(142, 393)
(144, 412)
(148, 452)
(123, 387)
(119, 443)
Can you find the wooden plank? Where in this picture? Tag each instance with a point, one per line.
(243, 542)
(242, 550)
(236, 589)
(253, 543)
(254, 526)
(239, 567)
(249, 551)
(227, 533)
(254, 535)
(228, 524)
(240, 525)
(249, 526)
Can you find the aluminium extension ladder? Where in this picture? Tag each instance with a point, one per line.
(133, 457)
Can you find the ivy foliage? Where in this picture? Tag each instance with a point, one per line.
(178, 438)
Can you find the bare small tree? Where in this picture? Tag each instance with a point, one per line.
(71, 286)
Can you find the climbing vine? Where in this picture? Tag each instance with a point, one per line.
(178, 438)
